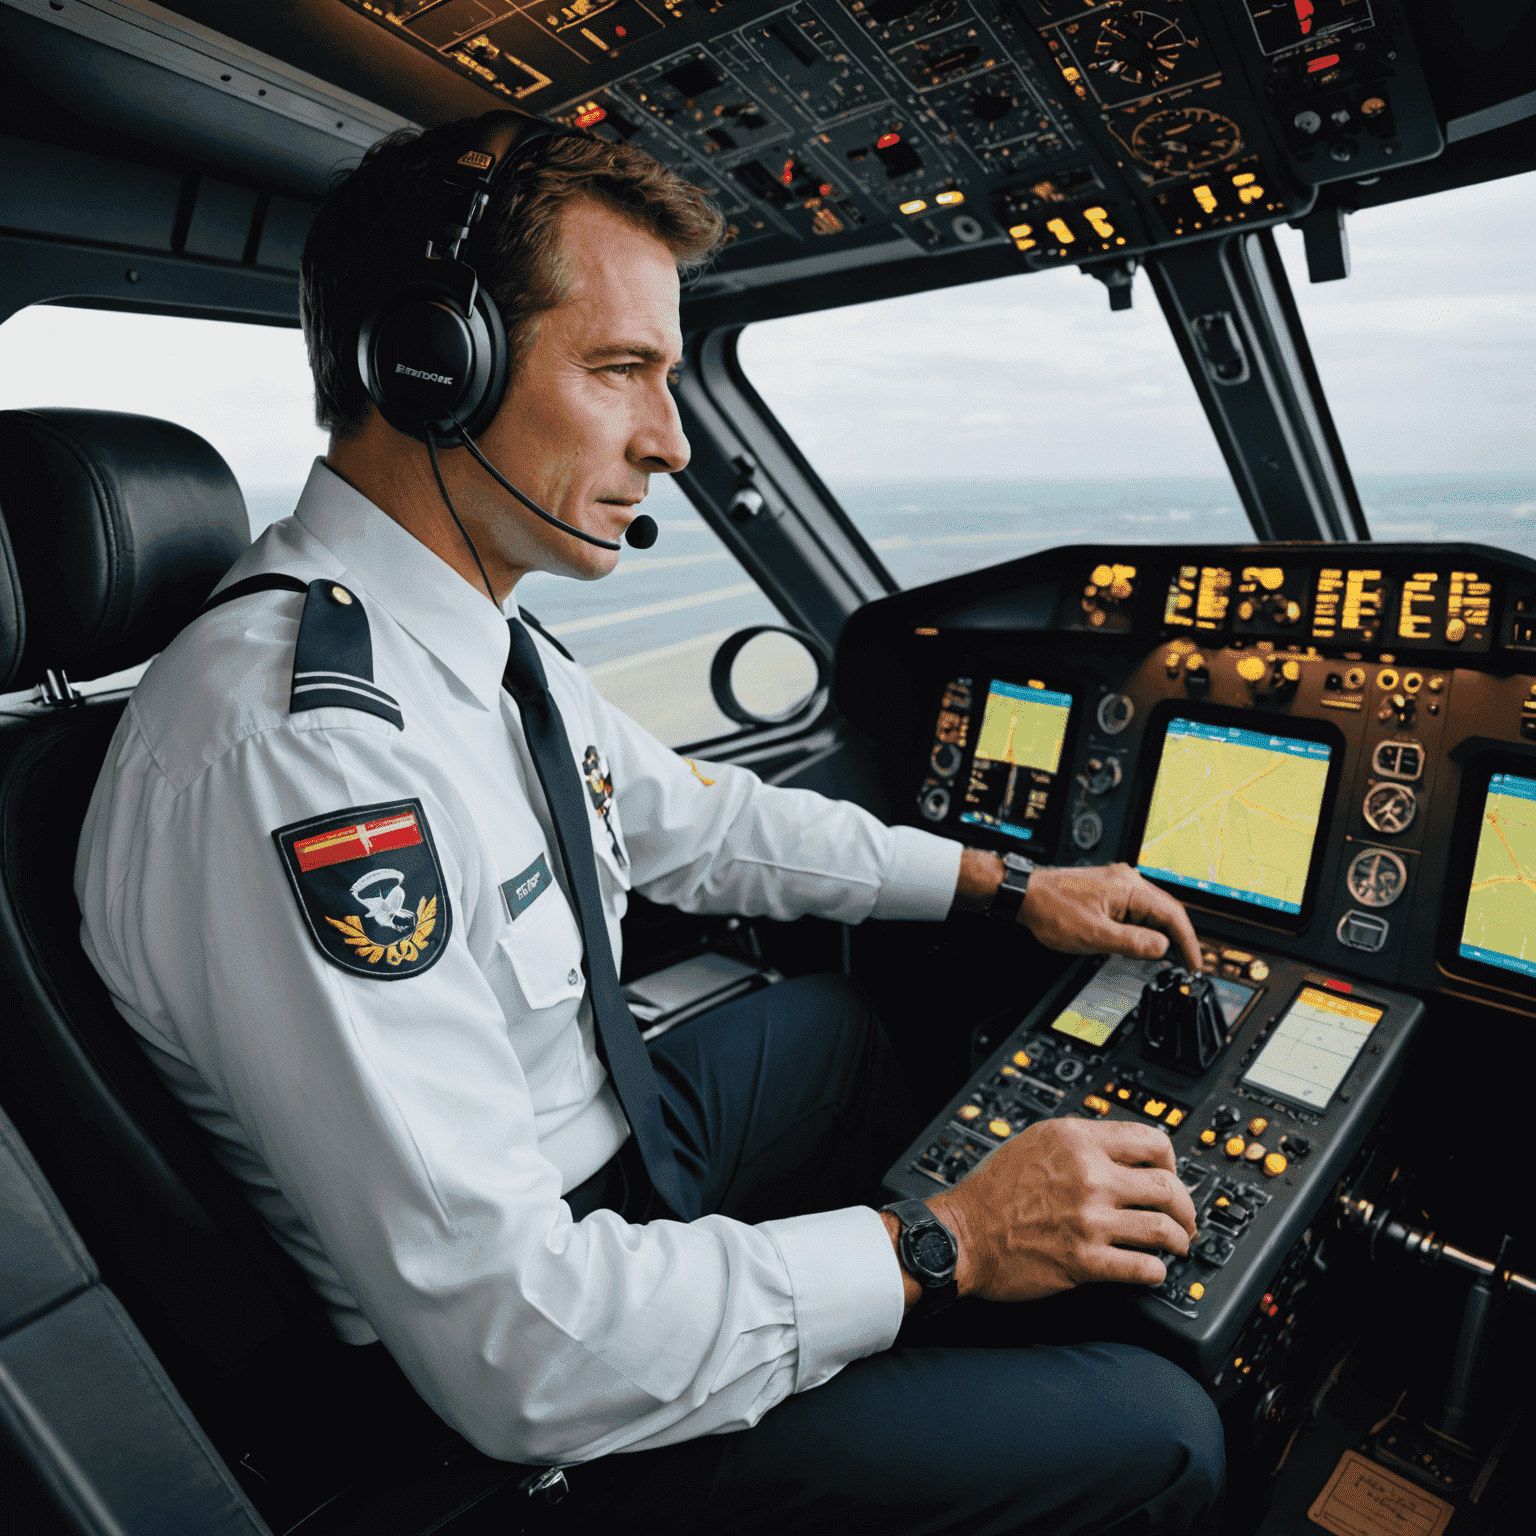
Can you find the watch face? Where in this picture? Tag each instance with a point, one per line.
(934, 1249)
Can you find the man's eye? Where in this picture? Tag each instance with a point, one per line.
(621, 369)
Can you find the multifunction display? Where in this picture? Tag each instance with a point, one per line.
(1018, 754)
(1101, 1007)
(1235, 813)
(1312, 1048)
(1500, 925)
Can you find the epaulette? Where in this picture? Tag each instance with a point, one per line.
(333, 659)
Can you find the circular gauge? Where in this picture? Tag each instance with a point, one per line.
(1390, 808)
(1181, 140)
(945, 758)
(1087, 829)
(934, 803)
(1138, 50)
(1115, 713)
(1377, 877)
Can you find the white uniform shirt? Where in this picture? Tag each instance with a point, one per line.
(409, 1141)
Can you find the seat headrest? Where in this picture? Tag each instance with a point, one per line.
(120, 527)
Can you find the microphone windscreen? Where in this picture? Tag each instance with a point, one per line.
(643, 532)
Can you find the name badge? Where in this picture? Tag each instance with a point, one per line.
(521, 891)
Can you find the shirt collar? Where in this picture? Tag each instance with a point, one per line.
(418, 589)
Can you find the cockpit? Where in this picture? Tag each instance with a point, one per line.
(1062, 484)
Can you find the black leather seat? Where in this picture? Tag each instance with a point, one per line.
(121, 526)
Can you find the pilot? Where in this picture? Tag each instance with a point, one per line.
(354, 872)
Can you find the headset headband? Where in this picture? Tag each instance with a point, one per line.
(499, 140)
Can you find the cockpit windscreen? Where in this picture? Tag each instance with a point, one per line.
(1235, 813)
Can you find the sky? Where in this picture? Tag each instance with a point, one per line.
(1428, 352)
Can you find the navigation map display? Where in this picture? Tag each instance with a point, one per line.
(1018, 753)
(1235, 813)
(1313, 1046)
(1500, 924)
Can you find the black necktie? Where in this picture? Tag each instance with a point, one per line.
(618, 1036)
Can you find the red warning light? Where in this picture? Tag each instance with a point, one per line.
(1304, 15)
(886, 140)
(1327, 61)
(787, 175)
(826, 189)
(1345, 987)
(621, 31)
(590, 116)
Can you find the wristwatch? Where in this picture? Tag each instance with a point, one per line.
(1009, 896)
(929, 1253)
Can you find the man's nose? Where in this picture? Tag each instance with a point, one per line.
(658, 445)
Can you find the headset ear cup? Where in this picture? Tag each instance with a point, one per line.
(490, 337)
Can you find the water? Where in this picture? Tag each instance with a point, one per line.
(647, 633)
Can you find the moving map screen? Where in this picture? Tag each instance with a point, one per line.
(1500, 924)
(1313, 1046)
(1235, 813)
(1018, 753)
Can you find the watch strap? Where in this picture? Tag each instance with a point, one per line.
(1010, 893)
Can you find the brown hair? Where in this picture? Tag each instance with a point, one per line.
(374, 225)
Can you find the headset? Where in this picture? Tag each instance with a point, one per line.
(432, 350)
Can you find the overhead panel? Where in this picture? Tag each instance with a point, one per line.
(1076, 131)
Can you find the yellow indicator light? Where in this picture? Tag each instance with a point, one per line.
(970, 1112)
(1207, 1137)
(1099, 219)
(1010, 1072)
(1176, 1117)
(1154, 1108)
(1196, 1291)
(915, 206)
(1021, 231)
(1026, 245)
(1250, 194)
(925, 631)
(949, 199)
(1072, 76)
(1023, 1059)
(1244, 179)
(1206, 198)
(1058, 227)
(1000, 1128)
(1102, 575)
(1096, 1104)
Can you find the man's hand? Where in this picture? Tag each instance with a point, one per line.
(1110, 910)
(1106, 910)
(1064, 1203)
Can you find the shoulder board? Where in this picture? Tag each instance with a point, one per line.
(533, 623)
(333, 660)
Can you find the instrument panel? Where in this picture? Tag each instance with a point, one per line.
(1328, 752)
(1072, 128)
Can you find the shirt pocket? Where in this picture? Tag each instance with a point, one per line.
(545, 951)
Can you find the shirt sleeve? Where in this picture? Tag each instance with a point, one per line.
(712, 837)
(394, 1117)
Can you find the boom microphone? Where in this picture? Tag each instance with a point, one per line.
(642, 533)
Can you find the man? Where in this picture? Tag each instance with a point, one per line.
(349, 912)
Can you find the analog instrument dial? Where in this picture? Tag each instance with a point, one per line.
(1390, 808)
(1377, 877)
(1115, 712)
(1136, 50)
(1181, 140)
(945, 758)
(934, 802)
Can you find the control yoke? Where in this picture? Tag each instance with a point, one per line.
(1181, 1021)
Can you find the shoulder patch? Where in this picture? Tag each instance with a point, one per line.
(370, 886)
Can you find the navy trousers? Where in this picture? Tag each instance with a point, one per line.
(788, 1101)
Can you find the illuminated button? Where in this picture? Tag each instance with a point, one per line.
(1000, 1128)
(1274, 1164)
(914, 205)
(1102, 575)
(1023, 1059)
(1233, 1149)
(342, 596)
(1355, 678)
(1292, 613)
(969, 1112)
(1258, 1125)
(1258, 970)
(1123, 1094)
(1154, 1108)
(1255, 1152)
(1372, 106)
(1386, 679)
(1291, 670)
(1456, 631)
(1436, 684)
(1221, 1202)
(1196, 1291)
(1207, 1138)
(1412, 681)
(949, 199)
(1010, 1072)
(1271, 578)
(1096, 1104)
(1175, 1117)
(1251, 669)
